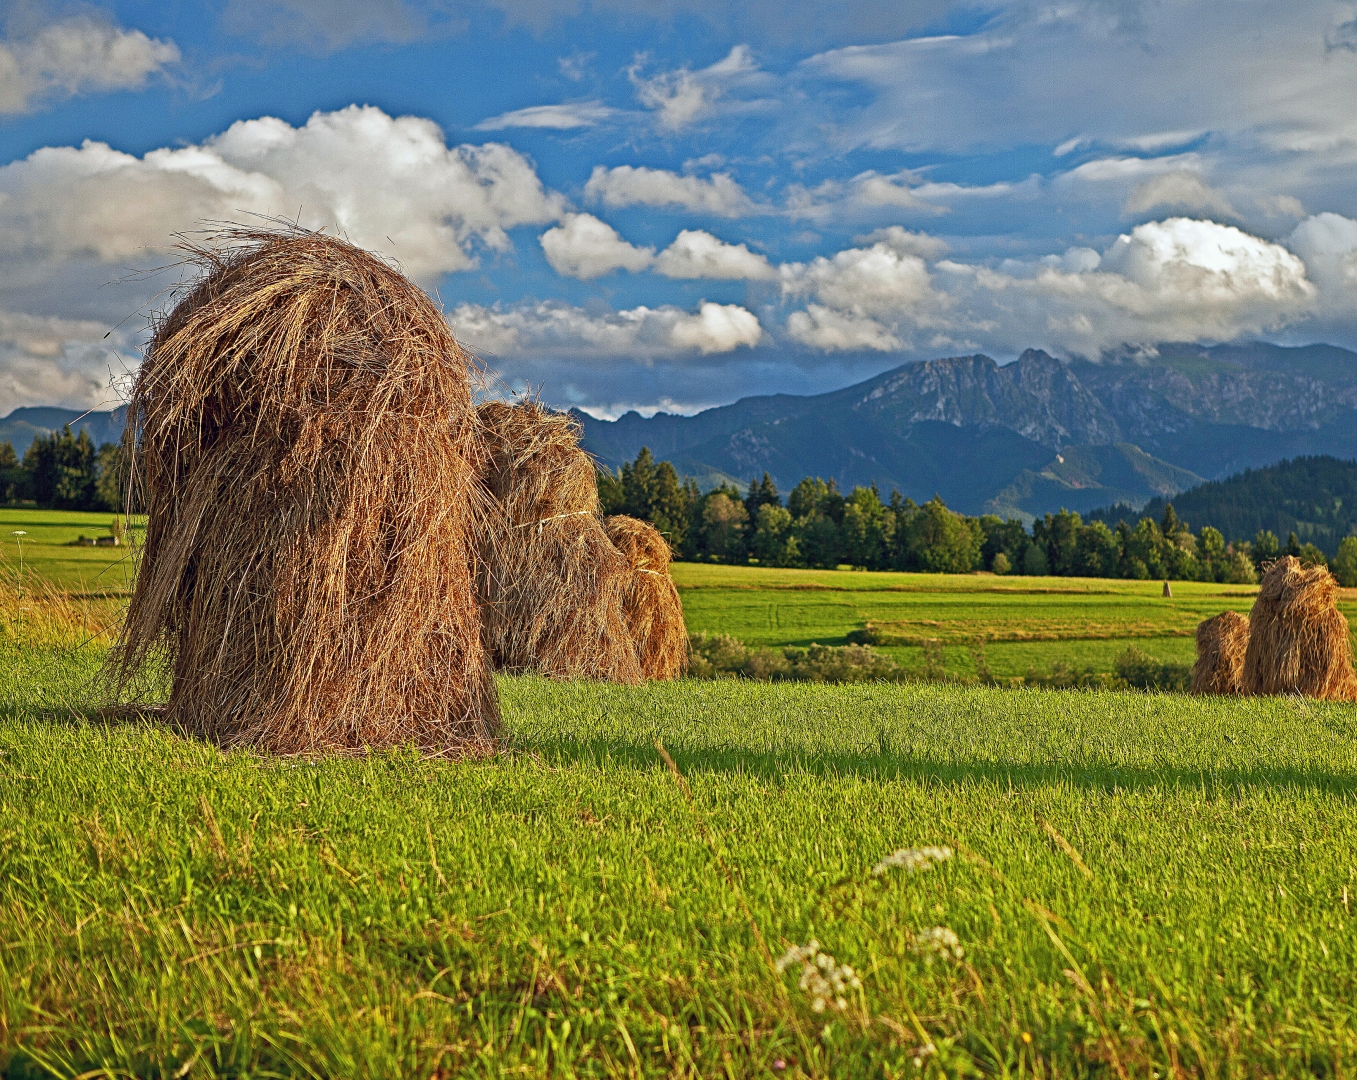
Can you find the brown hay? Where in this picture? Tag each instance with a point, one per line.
(551, 584)
(1298, 639)
(650, 603)
(304, 428)
(1221, 644)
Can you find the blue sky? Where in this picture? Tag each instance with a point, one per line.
(674, 203)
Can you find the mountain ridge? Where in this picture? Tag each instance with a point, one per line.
(989, 437)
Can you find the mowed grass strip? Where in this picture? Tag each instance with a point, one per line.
(1141, 883)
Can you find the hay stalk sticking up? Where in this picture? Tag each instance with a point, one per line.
(1298, 639)
(650, 603)
(551, 583)
(1221, 643)
(305, 434)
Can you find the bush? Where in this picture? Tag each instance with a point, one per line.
(1345, 563)
(1139, 670)
(712, 656)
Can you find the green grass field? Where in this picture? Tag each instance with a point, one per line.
(1143, 885)
(1025, 622)
(45, 549)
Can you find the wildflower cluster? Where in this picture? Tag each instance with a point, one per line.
(913, 859)
(939, 941)
(823, 978)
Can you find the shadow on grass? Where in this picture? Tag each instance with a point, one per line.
(892, 765)
(886, 763)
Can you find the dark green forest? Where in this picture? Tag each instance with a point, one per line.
(816, 525)
(61, 471)
(1313, 497)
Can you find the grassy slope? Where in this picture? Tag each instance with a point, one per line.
(168, 909)
(1091, 619)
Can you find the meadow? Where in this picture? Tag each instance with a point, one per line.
(1090, 884)
(1025, 623)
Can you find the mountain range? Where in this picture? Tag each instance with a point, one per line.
(1018, 439)
(24, 425)
(1028, 437)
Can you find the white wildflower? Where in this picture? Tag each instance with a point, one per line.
(823, 978)
(913, 859)
(939, 941)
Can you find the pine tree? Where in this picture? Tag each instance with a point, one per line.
(761, 493)
(12, 476)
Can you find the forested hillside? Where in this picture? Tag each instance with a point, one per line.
(1313, 497)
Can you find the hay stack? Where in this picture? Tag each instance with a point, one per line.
(305, 438)
(1298, 639)
(650, 603)
(1221, 643)
(551, 583)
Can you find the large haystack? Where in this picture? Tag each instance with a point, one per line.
(650, 603)
(551, 583)
(305, 438)
(1221, 643)
(1298, 639)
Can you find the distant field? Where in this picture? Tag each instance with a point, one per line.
(47, 549)
(1025, 622)
(1142, 885)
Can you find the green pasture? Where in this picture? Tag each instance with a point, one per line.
(45, 549)
(1024, 622)
(1142, 885)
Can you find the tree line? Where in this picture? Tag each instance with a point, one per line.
(63, 471)
(817, 525)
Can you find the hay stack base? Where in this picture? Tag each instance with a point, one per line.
(1298, 639)
(304, 440)
(551, 584)
(1221, 644)
(651, 604)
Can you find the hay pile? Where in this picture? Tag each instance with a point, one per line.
(1221, 643)
(551, 584)
(305, 435)
(650, 602)
(1298, 639)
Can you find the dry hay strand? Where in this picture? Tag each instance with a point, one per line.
(551, 584)
(304, 433)
(650, 603)
(1298, 639)
(1221, 643)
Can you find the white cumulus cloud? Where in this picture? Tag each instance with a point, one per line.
(698, 254)
(584, 247)
(554, 328)
(1328, 244)
(868, 297)
(390, 184)
(633, 185)
(48, 360)
(78, 55)
(1174, 280)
